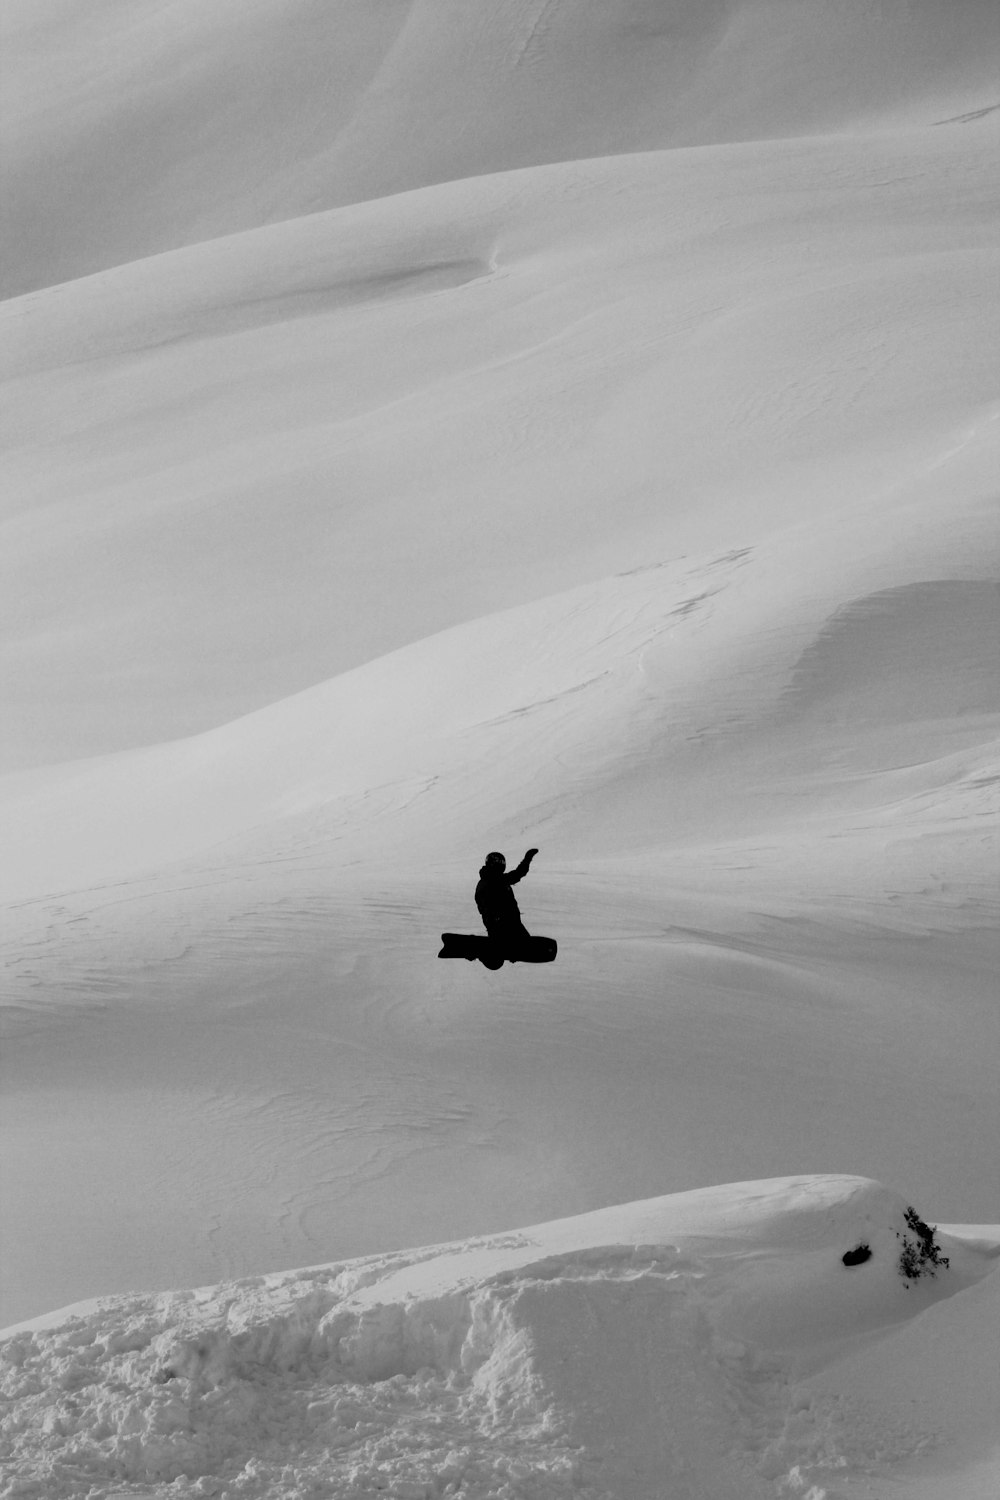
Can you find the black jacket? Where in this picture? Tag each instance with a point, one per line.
(496, 901)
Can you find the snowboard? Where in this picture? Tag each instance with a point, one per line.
(470, 945)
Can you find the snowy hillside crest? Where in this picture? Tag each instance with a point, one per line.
(521, 1365)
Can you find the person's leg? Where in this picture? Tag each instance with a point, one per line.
(512, 938)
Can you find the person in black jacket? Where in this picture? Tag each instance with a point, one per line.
(496, 901)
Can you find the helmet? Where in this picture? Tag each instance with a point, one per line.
(495, 860)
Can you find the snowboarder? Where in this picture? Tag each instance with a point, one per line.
(496, 901)
(507, 940)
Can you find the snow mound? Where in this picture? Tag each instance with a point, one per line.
(667, 1340)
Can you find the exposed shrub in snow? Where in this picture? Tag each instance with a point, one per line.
(920, 1255)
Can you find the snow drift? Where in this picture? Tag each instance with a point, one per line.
(130, 132)
(667, 1347)
(491, 392)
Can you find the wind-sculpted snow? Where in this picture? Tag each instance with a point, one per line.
(127, 133)
(444, 425)
(654, 1349)
(237, 470)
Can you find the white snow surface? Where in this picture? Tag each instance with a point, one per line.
(433, 426)
(135, 129)
(666, 1347)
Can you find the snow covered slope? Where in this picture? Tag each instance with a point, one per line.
(624, 484)
(489, 392)
(642, 509)
(134, 129)
(705, 1346)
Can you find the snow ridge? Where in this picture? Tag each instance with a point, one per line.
(406, 1399)
(485, 1368)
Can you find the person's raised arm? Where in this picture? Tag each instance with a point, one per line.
(522, 868)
